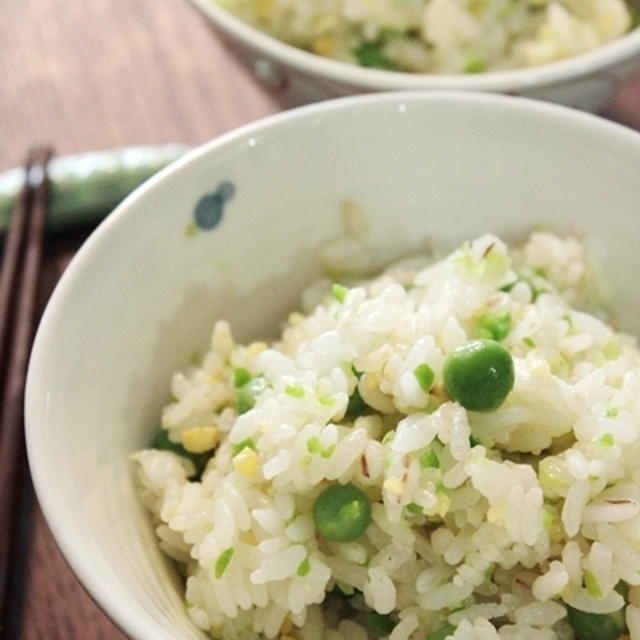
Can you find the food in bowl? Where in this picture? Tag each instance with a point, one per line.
(447, 450)
(440, 36)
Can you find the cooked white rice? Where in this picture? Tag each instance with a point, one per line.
(439, 36)
(530, 509)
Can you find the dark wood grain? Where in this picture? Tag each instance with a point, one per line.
(19, 280)
(46, 601)
(626, 106)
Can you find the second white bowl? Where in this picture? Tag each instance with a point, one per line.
(588, 81)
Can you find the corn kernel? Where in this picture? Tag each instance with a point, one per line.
(496, 515)
(323, 45)
(372, 381)
(264, 9)
(246, 462)
(444, 504)
(200, 439)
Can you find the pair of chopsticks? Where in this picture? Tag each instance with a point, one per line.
(19, 278)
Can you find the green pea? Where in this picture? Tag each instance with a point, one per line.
(342, 512)
(596, 626)
(479, 375)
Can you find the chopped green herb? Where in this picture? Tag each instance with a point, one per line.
(529, 341)
(246, 394)
(507, 288)
(303, 568)
(339, 292)
(295, 391)
(495, 325)
(473, 441)
(425, 376)
(474, 65)
(223, 562)
(195, 359)
(328, 452)
(606, 440)
(591, 584)
(388, 437)
(414, 508)
(541, 272)
(612, 412)
(314, 445)
(429, 460)
(327, 401)
(568, 319)
(371, 54)
(612, 349)
(442, 632)
(240, 377)
(237, 448)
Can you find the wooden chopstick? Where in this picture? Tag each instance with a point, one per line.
(19, 279)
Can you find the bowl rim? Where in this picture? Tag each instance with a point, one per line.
(586, 64)
(114, 604)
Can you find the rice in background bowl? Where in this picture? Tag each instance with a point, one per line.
(125, 316)
(440, 36)
(577, 54)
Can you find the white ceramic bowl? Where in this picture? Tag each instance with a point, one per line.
(588, 81)
(144, 291)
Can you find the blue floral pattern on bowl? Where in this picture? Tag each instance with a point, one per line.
(209, 210)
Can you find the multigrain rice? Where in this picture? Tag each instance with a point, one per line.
(439, 36)
(484, 525)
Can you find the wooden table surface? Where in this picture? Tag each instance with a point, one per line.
(101, 74)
